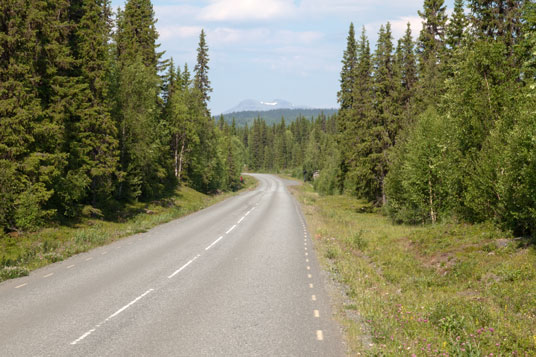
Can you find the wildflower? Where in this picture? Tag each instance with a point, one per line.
(491, 329)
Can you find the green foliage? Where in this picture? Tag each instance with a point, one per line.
(84, 123)
(30, 213)
(416, 185)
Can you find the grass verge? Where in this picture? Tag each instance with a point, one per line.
(20, 254)
(442, 290)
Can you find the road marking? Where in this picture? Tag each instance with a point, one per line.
(21, 285)
(309, 276)
(46, 276)
(213, 243)
(128, 305)
(70, 266)
(307, 260)
(306, 253)
(316, 313)
(311, 286)
(308, 268)
(182, 267)
(305, 248)
(230, 229)
(112, 316)
(313, 297)
(103, 253)
(240, 220)
(88, 259)
(319, 335)
(83, 336)
(119, 247)
(248, 212)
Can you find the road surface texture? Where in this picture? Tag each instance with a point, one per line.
(237, 279)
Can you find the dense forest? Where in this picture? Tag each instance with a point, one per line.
(274, 116)
(93, 117)
(444, 126)
(437, 127)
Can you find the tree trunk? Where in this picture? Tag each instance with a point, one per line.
(432, 212)
(176, 155)
(181, 157)
(122, 155)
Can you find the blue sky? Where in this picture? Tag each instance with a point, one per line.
(268, 49)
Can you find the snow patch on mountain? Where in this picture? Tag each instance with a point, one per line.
(252, 105)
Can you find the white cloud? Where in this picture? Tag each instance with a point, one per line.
(225, 35)
(398, 27)
(334, 6)
(246, 10)
(170, 32)
(290, 37)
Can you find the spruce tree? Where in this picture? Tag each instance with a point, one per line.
(357, 121)
(136, 34)
(431, 51)
(94, 144)
(141, 138)
(349, 64)
(456, 26)
(407, 69)
(20, 109)
(201, 80)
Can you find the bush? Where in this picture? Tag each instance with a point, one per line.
(30, 213)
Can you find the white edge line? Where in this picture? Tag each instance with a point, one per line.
(241, 219)
(230, 229)
(213, 243)
(182, 267)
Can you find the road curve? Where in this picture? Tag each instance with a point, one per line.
(239, 278)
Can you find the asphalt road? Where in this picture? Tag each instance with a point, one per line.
(237, 279)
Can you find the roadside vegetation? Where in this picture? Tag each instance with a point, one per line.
(446, 289)
(24, 252)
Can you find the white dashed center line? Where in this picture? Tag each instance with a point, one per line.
(316, 313)
(213, 243)
(112, 316)
(88, 259)
(182, 267)
(230, 229)
(21, 285)
(70, 266)
(46, 276)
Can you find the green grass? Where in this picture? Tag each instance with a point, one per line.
(22, 253)
(448, 289)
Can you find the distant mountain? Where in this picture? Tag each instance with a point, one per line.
(252, 105)
(274, 116)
